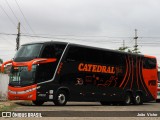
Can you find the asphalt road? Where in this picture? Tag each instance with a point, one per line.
(90, 110)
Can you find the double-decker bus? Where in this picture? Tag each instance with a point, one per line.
(61, 72)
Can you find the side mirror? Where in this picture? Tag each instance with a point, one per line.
(5, 63)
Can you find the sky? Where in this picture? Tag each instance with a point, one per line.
(100, 23)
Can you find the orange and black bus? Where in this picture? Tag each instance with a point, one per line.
(61, 72)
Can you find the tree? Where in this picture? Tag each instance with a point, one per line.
(124, 48)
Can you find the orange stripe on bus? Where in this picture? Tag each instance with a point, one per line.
(137, 72)
(125, 73)
(129, 73)
(132, 73)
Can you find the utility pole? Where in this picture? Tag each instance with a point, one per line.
(18, 37)
(123, 48)
(124, 45)
(136, 45)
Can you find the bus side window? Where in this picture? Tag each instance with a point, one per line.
(149, 63)
(59, 50)
(93, 56)
(113, 58)
(75, 54)
(84, 54)
(53, 51)
(46, 71)
(48, 52)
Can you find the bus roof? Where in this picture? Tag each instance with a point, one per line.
(80, 45)
(45, 42)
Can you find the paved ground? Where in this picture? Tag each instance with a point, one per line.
(88, 111)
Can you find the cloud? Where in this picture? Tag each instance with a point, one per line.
(84, 17)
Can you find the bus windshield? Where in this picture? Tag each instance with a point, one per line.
(20, 76)
(28, 52)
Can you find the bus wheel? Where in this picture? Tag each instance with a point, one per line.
(38, 102)
(127, 99)
(138, 99)
(61, 98)
(105, 103)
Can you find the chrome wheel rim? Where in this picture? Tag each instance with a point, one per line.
(138, 99)
(61, 98)
(128, 100)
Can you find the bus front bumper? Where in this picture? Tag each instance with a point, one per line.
(22, 93)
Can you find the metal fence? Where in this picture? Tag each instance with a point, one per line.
(4, 80)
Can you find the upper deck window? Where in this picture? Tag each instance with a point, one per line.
(149, 63)
(53, 51)
(84, 54)
(28, 52)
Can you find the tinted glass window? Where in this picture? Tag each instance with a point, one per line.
(113, 58)
(46, 71)
(28, 52)
(84, 54)
(95, 56)
(149, 63)
(75, 54)
(53, 51)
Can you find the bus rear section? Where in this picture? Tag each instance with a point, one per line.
(149, 74)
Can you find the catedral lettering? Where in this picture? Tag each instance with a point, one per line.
(96, 68)
(59, 72)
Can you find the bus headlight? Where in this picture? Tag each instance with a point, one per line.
(12, 92)
(34, 67)
(30, 90)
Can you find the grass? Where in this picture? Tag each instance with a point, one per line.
(8, 107)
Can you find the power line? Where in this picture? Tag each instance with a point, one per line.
(84, 39)
(57, 36)
(2, 38)
(83, 36)
(7, 34)
(12, 10)
(24, 17)
(64, 38)
(151, 37)
(15, 15)
(8, 16)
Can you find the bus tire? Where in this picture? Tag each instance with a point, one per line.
(61, 98)
(127, 99)
(138, 100)
(38, 102)
(105, 103)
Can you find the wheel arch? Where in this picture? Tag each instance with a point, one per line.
(63, 88)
